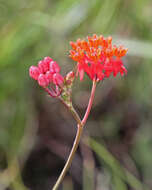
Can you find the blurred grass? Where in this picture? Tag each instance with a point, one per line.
(30, 30)
(120, 174)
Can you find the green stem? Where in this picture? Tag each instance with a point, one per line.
(70, 158)
(78, 135)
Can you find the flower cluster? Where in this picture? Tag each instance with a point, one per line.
(47, 71)
(98, 57)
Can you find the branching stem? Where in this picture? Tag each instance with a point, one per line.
(80, 125)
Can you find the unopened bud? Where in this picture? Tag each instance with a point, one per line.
(58, 79)
(54, 67)
(70, 77)
(34, 72)
(47, 59)
(49, 76)
(43, 66)
(43, 81)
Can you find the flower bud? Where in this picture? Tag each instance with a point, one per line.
(43, 66)
(34, 72)
(47, 59)
(70, 77)
(58, 79)
(49, 76)
(43, 81)
(54, 67)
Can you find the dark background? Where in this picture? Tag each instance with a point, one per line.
(36, 131)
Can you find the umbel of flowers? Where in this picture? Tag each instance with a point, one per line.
(48, 72)
(96, 57)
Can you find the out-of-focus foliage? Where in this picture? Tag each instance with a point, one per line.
(36, 132)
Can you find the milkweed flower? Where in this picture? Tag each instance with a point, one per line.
(47, 72)
(97, 57)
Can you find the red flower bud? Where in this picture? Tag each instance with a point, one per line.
(43, 66)
(49, 76)
(34, 72)
(43, 81)
(54, 67)
(47, 59)
(47, 72)
(58, 79)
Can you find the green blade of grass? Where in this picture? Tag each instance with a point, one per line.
(115, 166)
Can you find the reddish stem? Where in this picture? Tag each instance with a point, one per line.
(89, 104)
(54, 93)
(78, 135)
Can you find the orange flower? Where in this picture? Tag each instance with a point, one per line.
(97, 57)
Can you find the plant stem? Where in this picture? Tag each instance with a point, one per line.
(90, 103)
(80, 125)
(70, 158)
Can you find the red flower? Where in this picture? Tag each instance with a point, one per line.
(97, 57)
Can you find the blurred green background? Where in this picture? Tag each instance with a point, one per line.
(36, 132)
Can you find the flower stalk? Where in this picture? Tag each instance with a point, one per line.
(97, 58)
(80, 125)
(70, 158)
